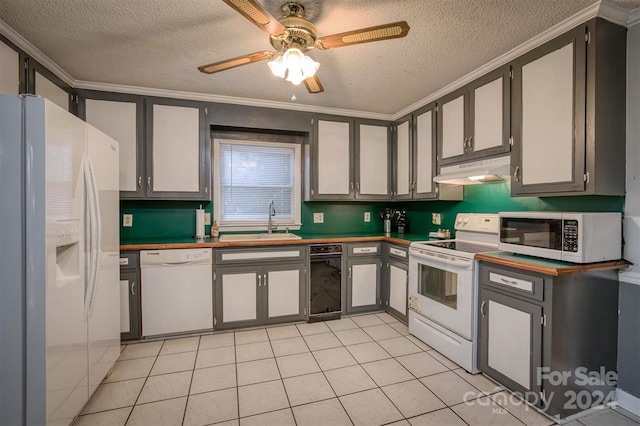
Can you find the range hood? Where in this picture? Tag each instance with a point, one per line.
(489, 170)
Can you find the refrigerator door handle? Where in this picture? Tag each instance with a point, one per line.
(95, 233)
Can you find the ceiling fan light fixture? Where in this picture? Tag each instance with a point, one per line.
(293, 65)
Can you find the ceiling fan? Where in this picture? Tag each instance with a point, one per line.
(292, 36)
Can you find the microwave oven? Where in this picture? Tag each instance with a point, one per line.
(571, 237)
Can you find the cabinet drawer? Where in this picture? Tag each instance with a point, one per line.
(511, 281)
(129, 260)
(244, 255)
(398, 252)
(364, 249)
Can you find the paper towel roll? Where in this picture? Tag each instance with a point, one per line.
(199, 223)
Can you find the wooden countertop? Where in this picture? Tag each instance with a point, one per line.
(164, 243)
(546, 266)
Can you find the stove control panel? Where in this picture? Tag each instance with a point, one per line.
(478, 222)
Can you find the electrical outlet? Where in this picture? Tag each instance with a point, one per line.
(207, 218)
(127, 220)
(436, 219)
(318, 218)
(367, 216)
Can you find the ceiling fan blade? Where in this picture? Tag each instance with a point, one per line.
(364, 35)
(235, 62)
(253, 11)
(313, 85)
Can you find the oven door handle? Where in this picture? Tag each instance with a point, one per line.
(467, 264)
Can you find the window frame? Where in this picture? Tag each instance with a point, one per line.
(255, 139)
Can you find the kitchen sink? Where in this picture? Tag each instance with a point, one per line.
(276, 236)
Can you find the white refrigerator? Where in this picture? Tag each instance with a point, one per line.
(59, 227)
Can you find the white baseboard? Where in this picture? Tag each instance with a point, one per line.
(628, 402)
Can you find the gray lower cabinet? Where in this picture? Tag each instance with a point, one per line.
(130, 324)
(395, 281)
(259, 286)
(549, 338)
(364, 277)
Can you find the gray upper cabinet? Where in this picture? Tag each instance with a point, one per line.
(414, 158)
(332, 154)
(177, 161)
(403, 167)
(164, 148)
(121, 117)
(373, 160)
(350, 159)
(9, 69)
(568, 114)
(474, 121)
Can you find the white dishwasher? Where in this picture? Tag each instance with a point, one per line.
(177, 291)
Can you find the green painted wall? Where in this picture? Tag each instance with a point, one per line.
(176, 219)
(494, 198)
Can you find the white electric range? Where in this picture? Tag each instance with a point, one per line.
(443, 287)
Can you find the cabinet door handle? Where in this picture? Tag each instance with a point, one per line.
(149, 182)
(265, 279)
(470, 144)
(357, 187)
(464, 144)
(349, 273)
(139, 181)
(516, 172)
(482, 309)
(133, 286)
(510, 282)
(350, 187)
(259, 280)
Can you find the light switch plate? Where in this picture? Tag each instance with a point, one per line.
(367, 216)
(436, 219)
(127, 220)
(318, 218)
(207, 218)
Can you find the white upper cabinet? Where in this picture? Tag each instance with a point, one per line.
(176, 148)
(414, 159)
(373, 160)
(453, 139)
(487, 109)
(119, 119)
(569, 114)
(547, 118)
(164, 152)
(9, 70)
(423, 153)
(333, 164)
(177, 160)
(474, 121)
(350, 159)
(403, 166)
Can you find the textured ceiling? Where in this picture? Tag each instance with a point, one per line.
(159, 44)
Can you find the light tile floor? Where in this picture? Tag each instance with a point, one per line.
(364, 370)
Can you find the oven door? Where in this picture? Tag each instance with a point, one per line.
(441, 288)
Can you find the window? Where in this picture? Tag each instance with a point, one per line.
(248, 175)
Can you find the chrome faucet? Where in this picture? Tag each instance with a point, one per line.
(272, 212)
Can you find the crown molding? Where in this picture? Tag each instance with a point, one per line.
(613, 13)
(558, 29)
(203, 97)
(33, 52)
(602, 8)
(634, 17)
